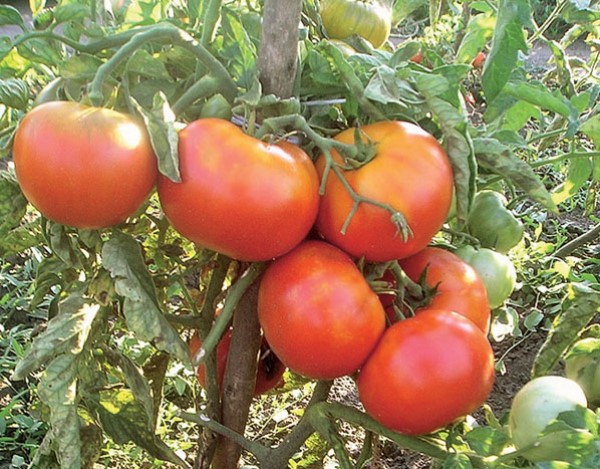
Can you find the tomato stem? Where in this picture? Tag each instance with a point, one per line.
(168, 33)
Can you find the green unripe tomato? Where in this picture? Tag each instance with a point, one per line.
(368, 19)
(536, 404)
(496, 271)
(582, 365)
(492, 223)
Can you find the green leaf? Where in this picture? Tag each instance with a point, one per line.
(81, 67)
(539, 95)
(579, 307)
(487, 441)
(385, 87)
(124, 419)
(579, 12)
(508, 40)
(13, 204)
(160, 123)
(14, 93)
(237, 48)
(49, 274)
(136, 382)
(591, 128)
(499, 158)
(458, 147)
(9, 15)
(578, 174)
(58, 389)
(457, 461)
(67, 12)
(404, 9)
(479, 31)
(122, 257)
(66, 333)
(146, 65)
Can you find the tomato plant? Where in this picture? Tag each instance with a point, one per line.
(582, 365)
(240, 196)
(317, 311)
(269, 373)
(492, 223)
(495, 270)
(368, 19)
(427, 371)
(458, 286)
(536, 404)
(82, 166)
(394, 176)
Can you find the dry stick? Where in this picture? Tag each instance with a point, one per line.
(277, 64)
(578, 242)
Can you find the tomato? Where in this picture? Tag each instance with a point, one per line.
(409, 172)
(318, 312)
(239, 196)
(582, 365)
(459, 287)
(269, 373)
(492, 223)
(427, 371)
(479, 60)
(534, 407)
(495, 270)
(368, 19)
(82, 166)
(417, 58)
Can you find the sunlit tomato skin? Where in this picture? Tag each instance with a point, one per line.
(459, 287)
(239, 196)
(427, 371)
(82, 166)
(410, 172)
(317, 311)
(368, 19)
(269, 372)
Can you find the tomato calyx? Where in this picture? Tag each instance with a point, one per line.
(365, 151)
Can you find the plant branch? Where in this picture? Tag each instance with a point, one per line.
(166, 33)
(582, 240)
(258, 450)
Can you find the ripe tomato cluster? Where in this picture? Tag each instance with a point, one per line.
(257, 201)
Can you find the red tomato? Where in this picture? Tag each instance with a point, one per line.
(240, 196)
(82, 166)
(318, 312)
(269, 373)
(427, 371)
(410, 172)
(417, 58)
(459, 287)
(479, 60)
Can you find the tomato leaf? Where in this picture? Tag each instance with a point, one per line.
(487, 441)
(499, 158)
(14, 93)
(591, 128)
(124, 418)
(508, 40)
(160, 123)
(479, 31)
(385, 87)
(66, 333)
(58, 390)
(9, 15)
(122, 257)
(458, 147)
(580, 306)
(135, 380)
(540, 96)
(578, 173)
